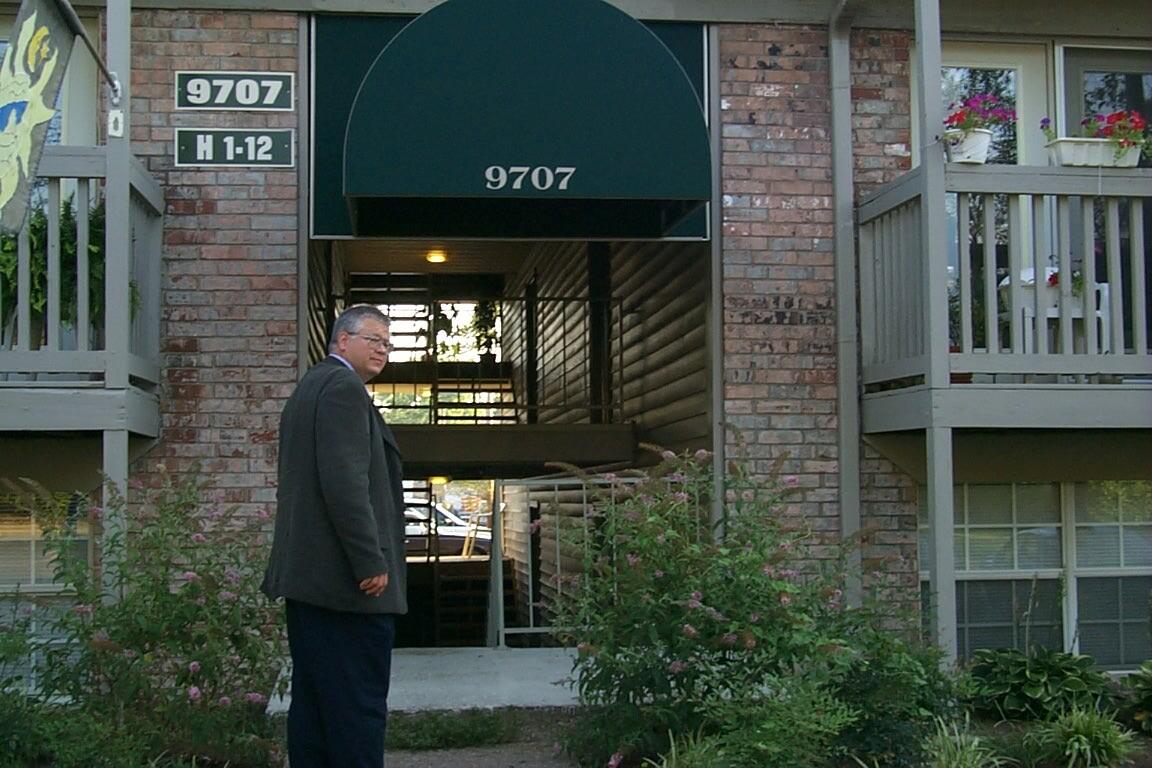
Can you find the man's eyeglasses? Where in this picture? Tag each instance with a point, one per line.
(376, 341)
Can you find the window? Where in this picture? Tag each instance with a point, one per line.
(1064, 565)
(25, 562)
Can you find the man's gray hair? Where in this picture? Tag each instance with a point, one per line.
(352, 319)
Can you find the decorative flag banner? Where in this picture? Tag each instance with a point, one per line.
(38, 50)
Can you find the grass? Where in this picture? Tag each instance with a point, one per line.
(454, 729)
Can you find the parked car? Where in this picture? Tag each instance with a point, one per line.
(446, 537)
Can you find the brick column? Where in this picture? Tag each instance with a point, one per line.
(230, 256)
(779, 289)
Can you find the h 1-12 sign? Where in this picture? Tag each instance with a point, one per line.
(266, 148)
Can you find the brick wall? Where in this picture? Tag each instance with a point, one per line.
(230, 257)
(779, 284)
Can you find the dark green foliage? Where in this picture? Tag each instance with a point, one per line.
(1136, 699)
(1038, 685)
(37, 226)
(899, 691)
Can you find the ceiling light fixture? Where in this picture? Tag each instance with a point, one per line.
(436, 256)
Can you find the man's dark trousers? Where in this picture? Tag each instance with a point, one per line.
(341, 664)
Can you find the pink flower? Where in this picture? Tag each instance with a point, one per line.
(534, 528)
(225, 701)
(729, 639)
(690, 631)
(194, 667)
(226, 596)
(199, 538)
(667, 455)
(677, 667)
(633, 559)
(680, 496)
(658, 574)
(785, 600)
(188, 576)
(703, 454)
(753, 617)
(615, 760)
(96, 512)
(791, 481)
(255, 698)
(193, 693)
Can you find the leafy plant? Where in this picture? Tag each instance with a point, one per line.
(1136, 704)
(1084, 738)
(483, 326)
(950, 746)
(1038, 685)
(37, 226)
(737, 630)
(694, 750)
(170, 646)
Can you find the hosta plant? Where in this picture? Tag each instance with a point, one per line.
(1037, 685)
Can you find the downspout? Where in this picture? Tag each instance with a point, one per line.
(715, 312)
(847, 366)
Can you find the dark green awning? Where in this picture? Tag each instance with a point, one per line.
(525, 118)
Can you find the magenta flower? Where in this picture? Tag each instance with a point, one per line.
(194, 667)
(199, 538)
(676, 667)
(225, 701)
(255, 698)
(615, 760)
(658, 574)
(189, 576)
(633, 559)
(226, 596)
(534, 528)
(680, 496)
(729, 639)
(193, 693)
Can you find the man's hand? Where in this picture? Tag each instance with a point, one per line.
(374, 586)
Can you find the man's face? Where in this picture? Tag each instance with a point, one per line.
(366, 349)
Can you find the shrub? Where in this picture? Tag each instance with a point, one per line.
(1084, 738)
(737, 631)
(899, 690)
(1136, 699)
(168, 645)
(1038, 685)
(692, 751)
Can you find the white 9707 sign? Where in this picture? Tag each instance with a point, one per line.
(540, 177)
(249, 91)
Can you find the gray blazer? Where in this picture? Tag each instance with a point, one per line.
(340, 500)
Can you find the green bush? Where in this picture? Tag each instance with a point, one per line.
(1083, 738)
(1038, 685)
(1136, 699)
(168, 650)
(738, 631)
(899, 691)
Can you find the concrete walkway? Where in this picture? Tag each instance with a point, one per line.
(474, 678)
(480, 678)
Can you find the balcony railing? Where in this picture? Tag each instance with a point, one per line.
(1047, 279)
(557, 360)
(54, 329)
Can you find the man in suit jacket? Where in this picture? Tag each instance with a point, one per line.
(338, 550)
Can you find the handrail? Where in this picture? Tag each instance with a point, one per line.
(1009, 309)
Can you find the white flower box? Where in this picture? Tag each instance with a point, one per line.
(1082, 151)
